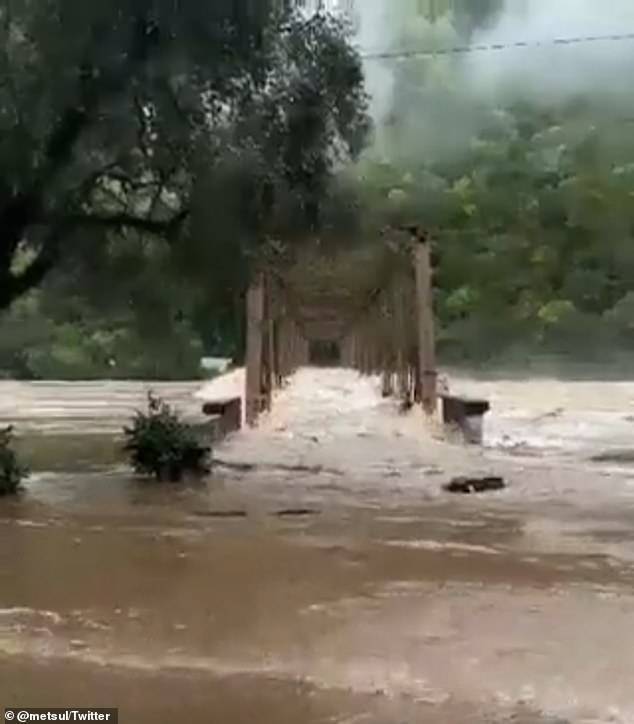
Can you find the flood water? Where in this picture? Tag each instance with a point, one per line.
(321, 574)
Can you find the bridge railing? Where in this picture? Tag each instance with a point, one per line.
(390, 333)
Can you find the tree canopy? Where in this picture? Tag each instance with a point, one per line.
(239, 126)
(527, 195)
(162, 119)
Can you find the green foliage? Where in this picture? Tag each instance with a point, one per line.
(530, 210)
(52, 336)
(150, 150)
(146, 152)
(161, 445)
(12, 473)
(118, 121)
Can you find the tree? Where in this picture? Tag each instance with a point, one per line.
(533, 225)
(117, 116)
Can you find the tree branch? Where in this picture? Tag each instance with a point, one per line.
(13, 286)
(25, 208)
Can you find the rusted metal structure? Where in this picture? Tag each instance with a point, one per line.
(374, 302)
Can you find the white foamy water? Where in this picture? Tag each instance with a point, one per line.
(337, 420)
(540, 434)
(580, 418)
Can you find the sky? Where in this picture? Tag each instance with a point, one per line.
(545, 74)
(567, 70)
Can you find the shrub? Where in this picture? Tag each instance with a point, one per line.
(11, 472)
(161, 445)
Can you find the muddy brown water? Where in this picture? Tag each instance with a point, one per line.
(388, 601)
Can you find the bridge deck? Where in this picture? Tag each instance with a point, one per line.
(336, 421)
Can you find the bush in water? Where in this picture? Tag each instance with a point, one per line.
(161, 445)
(11, 472)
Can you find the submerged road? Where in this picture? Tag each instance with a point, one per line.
(387, 601)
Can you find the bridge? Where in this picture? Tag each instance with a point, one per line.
(367, 308)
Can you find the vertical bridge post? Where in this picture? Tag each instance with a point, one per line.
(425, 314)
(255, 321)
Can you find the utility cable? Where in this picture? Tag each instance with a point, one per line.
(495, 47)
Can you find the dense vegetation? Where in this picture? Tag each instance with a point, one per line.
(146, 149)
(533, 230)
(140, 175)
(527, 190)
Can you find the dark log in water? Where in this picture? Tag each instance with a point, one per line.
(467, 485)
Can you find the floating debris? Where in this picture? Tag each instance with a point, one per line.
(469, 485)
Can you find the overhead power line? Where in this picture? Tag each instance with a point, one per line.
(493, 47)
